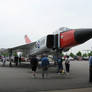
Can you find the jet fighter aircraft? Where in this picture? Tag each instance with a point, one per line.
(61, 40)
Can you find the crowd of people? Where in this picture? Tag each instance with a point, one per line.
(45, 64)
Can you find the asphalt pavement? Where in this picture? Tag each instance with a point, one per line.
(19, 79)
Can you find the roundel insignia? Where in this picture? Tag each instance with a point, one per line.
(38, 44)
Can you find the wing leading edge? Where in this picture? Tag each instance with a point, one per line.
(25, 46)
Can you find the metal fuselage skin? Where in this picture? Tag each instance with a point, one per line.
(39, 47)
(66, 40)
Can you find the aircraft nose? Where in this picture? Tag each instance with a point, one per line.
(82, 35)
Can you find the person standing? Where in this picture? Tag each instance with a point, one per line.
(67, 64)
(20, 60)
(16, 60)
(44, 64)
(90, 69)
(4, 60)
(34, 64)
(60, 65)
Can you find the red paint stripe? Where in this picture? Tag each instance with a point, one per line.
(67, 39)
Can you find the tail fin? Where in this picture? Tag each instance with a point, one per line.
(27, 40)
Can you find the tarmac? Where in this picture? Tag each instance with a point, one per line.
(73, 90)
(19, 79)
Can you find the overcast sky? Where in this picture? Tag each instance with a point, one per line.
(37, 18)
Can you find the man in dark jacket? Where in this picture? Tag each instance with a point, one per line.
(34, 64)
(16, 60)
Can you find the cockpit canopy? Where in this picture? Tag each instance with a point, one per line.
(62, 29)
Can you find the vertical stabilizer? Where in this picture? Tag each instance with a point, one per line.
(27, 40)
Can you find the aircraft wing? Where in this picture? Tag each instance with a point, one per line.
(25, 46)
(22, 47)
